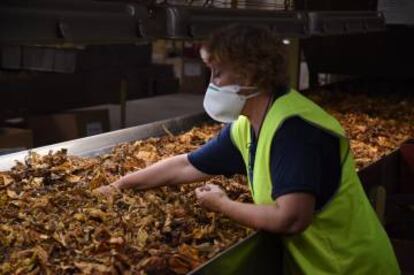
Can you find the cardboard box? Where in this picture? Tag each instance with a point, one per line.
(50, 129)
(14, 140)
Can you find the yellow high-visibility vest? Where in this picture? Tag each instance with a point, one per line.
(345, 236)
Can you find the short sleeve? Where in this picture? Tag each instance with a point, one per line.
(219, 156)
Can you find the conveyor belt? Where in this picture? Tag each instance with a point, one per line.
(103, 143)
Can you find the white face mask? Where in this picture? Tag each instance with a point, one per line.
(224, 104)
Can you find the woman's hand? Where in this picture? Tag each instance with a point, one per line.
(211, 196)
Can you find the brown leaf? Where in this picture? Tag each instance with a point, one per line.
(96, 213)
(42, 254)
(179, 264)
(92, 268)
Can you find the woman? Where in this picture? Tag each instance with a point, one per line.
(297, 160)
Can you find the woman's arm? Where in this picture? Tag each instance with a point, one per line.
(169, 171)
(291, 214)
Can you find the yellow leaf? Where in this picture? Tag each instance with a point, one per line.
(98, 180)
(96, 213)
(12, 194)
(142, 237)
(5, 179)
(80, 217)
(72, 178)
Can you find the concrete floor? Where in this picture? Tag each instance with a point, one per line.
(146, 110)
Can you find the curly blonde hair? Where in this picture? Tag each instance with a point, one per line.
(253, 52)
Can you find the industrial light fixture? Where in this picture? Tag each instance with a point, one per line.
(196, 23)
(71, 21)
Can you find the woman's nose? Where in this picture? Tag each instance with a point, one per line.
(216, 82)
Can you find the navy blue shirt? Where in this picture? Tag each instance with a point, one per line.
(304, 158)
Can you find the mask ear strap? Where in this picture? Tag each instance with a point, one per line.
(248, 88)
(244, 88)
(251, 95)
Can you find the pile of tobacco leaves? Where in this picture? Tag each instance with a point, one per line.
(375, 125)
(52, 223)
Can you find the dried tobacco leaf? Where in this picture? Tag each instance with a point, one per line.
(53, 223)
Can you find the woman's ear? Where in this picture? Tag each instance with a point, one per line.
(244, 80)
